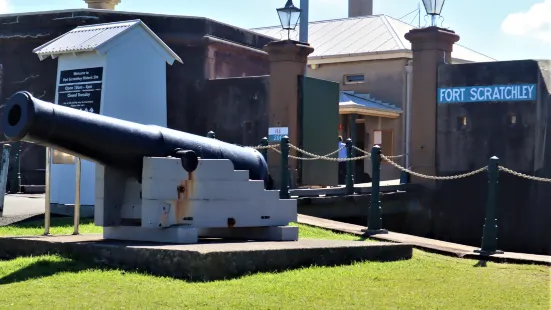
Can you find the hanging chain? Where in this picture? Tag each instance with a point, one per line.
(452, 177)
(275, 148)
(325, 157)
(522, 175)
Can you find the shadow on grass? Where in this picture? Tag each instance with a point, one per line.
(481, 263)
(61, 221)
(45, 268)
(365, 238)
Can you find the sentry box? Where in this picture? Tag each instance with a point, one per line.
(102, 69)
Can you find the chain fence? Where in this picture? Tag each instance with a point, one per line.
(522, 175)
(430, 177)
(389, 159)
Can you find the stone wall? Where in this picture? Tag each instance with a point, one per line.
(234, 108)
(522, 143)
(22, 70)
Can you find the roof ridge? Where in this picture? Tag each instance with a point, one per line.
(132, 24)
(372, 99)
(137, 21)
(80, 39)
(393, 32)
(472, 50)
(377, 39)
(380, 104)
(324, 21)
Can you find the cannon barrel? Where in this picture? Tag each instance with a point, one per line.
(113, 142)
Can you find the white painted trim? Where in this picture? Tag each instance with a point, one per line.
(357, 57)
(400, 54)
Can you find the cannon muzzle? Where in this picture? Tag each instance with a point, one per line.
(114, 142)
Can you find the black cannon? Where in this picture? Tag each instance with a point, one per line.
(117, 143)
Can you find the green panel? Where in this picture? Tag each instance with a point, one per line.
(319, 115)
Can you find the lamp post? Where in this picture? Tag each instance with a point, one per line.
(289, 16)
(433, 8)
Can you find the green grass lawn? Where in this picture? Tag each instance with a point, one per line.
(427, 281)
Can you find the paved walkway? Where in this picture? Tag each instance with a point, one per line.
(23, 204)
(441, 247)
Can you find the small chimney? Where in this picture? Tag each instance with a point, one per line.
(360, 8)
(102, 4)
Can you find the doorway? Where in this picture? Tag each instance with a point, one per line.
(359, 165)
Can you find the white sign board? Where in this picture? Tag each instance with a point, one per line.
(276, 133)
(81, 89)
(377, 137)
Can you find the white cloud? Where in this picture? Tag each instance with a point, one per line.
(4, 6)
(535, 22)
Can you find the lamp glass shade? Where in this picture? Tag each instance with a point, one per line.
(433, 7)
(289, 16)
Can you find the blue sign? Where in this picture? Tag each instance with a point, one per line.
(275, 134)
(494, 93)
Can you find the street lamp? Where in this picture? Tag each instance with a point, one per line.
(289, 17)
(433, 8)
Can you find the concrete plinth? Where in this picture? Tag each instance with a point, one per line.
(208, 260)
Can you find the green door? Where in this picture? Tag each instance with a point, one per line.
(319, 122)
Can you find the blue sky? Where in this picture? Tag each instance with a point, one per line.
(503, 29)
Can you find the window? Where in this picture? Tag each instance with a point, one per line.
(354, 79)
(462, 122)
(384, 139)
(513, 120)
(61, 158)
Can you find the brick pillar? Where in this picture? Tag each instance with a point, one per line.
(287, 62)
(431, 47)
(102, 4)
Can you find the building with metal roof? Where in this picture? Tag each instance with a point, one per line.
(369, 56)
(362, 38)
(96, 38)
(352, 103)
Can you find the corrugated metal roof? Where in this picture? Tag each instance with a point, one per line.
(361, 35)
(347, 99)
(89, 38)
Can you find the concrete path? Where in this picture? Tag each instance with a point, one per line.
(17, 205)
(441, 247)
(18, 208)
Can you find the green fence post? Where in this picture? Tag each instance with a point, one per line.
(211, 134)
(264, 150)
(284, 189)
(349, 168)
(489, 235)
(375, 221)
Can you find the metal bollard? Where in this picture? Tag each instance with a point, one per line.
(349, 168)
(78, 164)
(19, 184)
(284, 189)
(4, 167)
(211, 134)
(47, 192)
(375, 221)
(16, 176)
(264, 152)
(489, 235)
